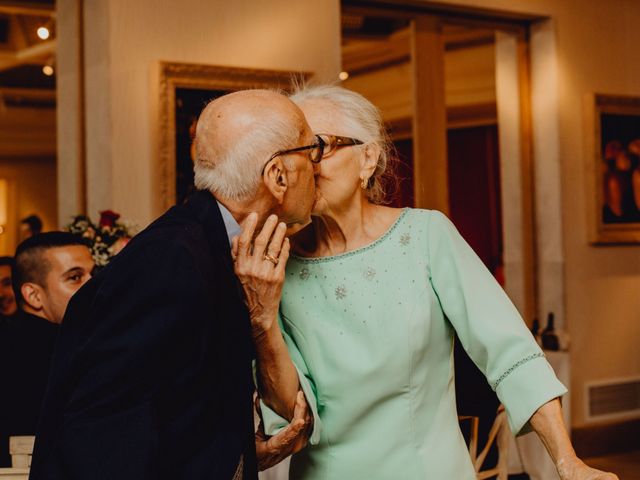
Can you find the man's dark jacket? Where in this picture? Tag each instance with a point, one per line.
(151, 376)
(26, 345)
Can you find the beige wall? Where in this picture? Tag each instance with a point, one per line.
(597, 51)
(32, 189)
(27, 132)
(124, 40)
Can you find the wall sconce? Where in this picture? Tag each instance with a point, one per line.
(4, 199)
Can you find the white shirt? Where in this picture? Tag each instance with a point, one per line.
(231, 226)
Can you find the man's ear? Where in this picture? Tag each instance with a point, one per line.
(276, 179)
(369, 160)
(32, 295)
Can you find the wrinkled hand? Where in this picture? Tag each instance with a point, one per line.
(260, 265)
(293, 438)
(572, 468)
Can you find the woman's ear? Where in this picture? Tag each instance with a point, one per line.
(369, 160)
(275, 179)
(32, 295)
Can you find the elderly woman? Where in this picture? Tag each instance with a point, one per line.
(372, 300)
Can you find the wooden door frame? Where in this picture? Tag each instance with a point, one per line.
(430, 156)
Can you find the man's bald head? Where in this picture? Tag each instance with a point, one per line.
(237, 133)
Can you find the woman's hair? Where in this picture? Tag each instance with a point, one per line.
(365, 121)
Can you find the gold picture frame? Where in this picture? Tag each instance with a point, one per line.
(614, 166)
(174, 78)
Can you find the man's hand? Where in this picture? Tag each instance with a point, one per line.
(260, 265)
(293, 438)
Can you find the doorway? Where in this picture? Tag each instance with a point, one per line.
(27, 121)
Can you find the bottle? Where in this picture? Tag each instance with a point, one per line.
(535, 331)
(549, 336)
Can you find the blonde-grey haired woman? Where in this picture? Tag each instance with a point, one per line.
(372, 299)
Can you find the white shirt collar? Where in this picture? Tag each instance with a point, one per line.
(231, 226)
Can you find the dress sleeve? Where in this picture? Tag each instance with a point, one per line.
(273, 422)
(489, 326)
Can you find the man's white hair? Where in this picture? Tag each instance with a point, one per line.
(364, 121)
(233, 171)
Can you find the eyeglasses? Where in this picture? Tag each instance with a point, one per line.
(333, 142)
(315, 152)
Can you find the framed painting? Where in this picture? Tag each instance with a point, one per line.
(614, 186)
(185, 89)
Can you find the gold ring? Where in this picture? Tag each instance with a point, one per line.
(270, 259)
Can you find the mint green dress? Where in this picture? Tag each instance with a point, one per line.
(371, 333)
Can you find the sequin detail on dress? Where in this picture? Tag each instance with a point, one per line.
(514, 366)
(304, 273)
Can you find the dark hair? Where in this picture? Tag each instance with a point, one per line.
(7, 261)
(34, 222)
(30, 264)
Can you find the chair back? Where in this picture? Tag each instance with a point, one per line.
(499, 434)
(21, 450)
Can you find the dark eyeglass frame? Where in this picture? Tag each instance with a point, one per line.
(337, 141)
(320, 144)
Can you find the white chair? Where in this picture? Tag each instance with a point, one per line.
(14, 474)
(20, 449)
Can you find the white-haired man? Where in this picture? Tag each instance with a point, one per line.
(152, 375)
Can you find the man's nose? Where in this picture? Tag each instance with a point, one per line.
(316, 168)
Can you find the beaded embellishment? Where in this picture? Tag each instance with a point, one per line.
(304, 273)
(369, 273)
(514, 366)
(357, 251)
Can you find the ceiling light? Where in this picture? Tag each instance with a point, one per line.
(343, 76)
(43, 33)
(47, 70)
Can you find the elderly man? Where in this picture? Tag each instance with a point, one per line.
(49, 268)
(152, 374)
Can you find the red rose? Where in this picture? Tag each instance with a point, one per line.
(108, 218)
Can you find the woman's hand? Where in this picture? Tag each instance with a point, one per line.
(260, 265)
(549, 425)
(572, 468)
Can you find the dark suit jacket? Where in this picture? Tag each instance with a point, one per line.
(5, 459)
(151, 377)
(26, 344)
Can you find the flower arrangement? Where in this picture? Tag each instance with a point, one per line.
(106, 238)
